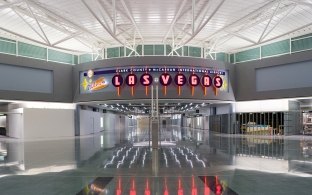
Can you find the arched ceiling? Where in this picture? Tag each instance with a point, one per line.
(90, 25)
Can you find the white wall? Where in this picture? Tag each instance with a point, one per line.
(262, 106)
(48, 123)
(2, 121)
(90, 122)
(15, 121)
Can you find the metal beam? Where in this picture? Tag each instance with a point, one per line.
(57, 27)
(7, 5)
(103, 10)
(269, 22)
(288, 12)
(131, 18)
(103, 25)
(202, 11)
(115, 16)
(279, 36)
(36, 41)
(39, 25)
(75, 26)
(193, 17)
(242, 20)
(29, 25)
(67, 38)
(241, 37)
(175, 19)
(203, 25)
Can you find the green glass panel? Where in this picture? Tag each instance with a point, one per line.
(32, 51)
(179, 51)
(113, 52)
(168, 49)
(232, 56)
(277, 48)
(185, 51)
(7, 47)
(251, 54)
(122, 51)
(58, 56)
(139, 49)
(221, 57)
(129, 52)
(75, 59)
(301, 44)
(148, 49)
(195, 51)
(212, 56)
(159, 50)
(85, 58)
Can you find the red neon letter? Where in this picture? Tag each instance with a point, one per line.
(117, 82)
(180, 80)
(207, 81)
(146, 80)
(165, 79)
(131, 80)
(194, 80)
(218, 82)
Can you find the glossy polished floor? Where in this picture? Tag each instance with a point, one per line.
(209, 164)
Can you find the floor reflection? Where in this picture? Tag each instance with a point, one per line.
(188, 160)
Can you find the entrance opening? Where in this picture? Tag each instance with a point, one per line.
(3, 124)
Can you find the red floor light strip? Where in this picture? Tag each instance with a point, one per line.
(147, 190)
(194, 189)
(133, 191)
(180, 189)
(207, 190)
(118, 191)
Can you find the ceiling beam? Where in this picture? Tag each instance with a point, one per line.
(67, 38)
(102, 24)
(241, 37)
(177, 15)
(114, 17)
(57, 27)
(7, 5)
(39, 25)
(242, 20)
(276, 37)
(181, 44)
(287, 13)
(38, 42)
(193, 17)
(65, 20)
(131, 18)
(29, 25)
(269, 22)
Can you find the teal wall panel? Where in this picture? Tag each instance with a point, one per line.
(251, 54)
(301, 44)
(277, 48)
(28, 50)
(148, 49)
(58, 56)
(7, 47)
(159, 50)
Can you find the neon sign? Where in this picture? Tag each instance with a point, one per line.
(165, 79)
(96, 85)
(168, 77)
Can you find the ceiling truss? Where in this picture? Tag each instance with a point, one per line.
(114, 23)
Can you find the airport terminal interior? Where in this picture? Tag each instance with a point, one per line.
(187, 97)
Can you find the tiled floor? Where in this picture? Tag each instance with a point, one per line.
(238, 164)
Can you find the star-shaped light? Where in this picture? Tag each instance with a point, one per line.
(84, 84)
